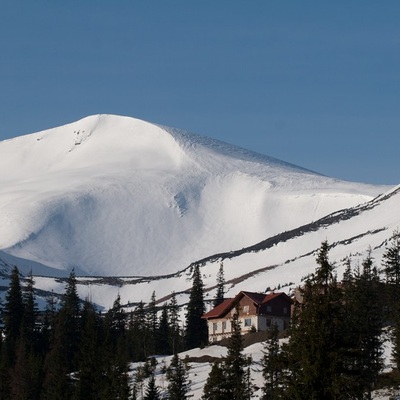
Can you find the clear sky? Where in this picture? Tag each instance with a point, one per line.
(315, 83)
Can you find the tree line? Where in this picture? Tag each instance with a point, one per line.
(335, 344)
(334, 348)
(72, 351)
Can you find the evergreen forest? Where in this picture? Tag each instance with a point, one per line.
(333, 350)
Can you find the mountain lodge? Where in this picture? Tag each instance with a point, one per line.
(257, 311)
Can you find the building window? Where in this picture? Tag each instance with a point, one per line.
(247, 322)
(223, 325)
(215, 326)
(268, 323)
(245, 309)
(269, 309)
(285, 310)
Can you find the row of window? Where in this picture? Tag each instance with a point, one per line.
(247, 323)
(246, 310)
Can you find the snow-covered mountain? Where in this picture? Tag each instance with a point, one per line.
(117, 196)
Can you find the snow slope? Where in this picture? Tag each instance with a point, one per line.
(118, 196)
(199, 371)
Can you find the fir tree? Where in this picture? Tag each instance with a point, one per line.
(152, 325)
(315, 346)
(29, 330)
(216, 387)
(391, 268)
(391, 261)
(116, 354)
(57, 385)
(368, 323)
(163, 333)
(236, 364)
(115, 323)
(174, 322)
(178, 385)
(13, 311)
(196, 327)
(152, 391)
(138, 333)
(219, 297)
(90, 358)
(69, 319)
(272, 365)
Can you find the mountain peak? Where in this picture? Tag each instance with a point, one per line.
(112, 195)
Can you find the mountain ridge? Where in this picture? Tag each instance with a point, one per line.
(151, 202)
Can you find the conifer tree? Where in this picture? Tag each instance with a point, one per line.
(152, 325)
(216, 387)
(219, 297)
(174, 322)
(115, 323)
(236, 364)
(368, 324)
(117, 374)
(138, 333)
(272, 364)
(27, 372)
(177, 377)
(163, 333)
(196, 327)
(69, 319)
(90, 360)
(391, 268)
(152, 391)
(116, 353)
(391, 261)
(29, 330)
(13, 311)
(57, 385)
(315, 346)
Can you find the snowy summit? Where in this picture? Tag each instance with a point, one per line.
(111, 195)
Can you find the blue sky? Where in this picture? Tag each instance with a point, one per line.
(314, 83)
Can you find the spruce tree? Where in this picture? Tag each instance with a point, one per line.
(90, 360)
(368, 323)
(391, 261)
(152, 391)
(27, 372)
(272, 366)
(219, 297)
(315, 346)
(177, 377)
(196, 327)
(115, 323)
(236, 363)
(163, 333)
(13, 311)
(152, 325)
(174, 329)
(57, 385)
(138, 333)
(116, 384)
(391, 269)
(29, 330)
(216, 387)
(69, 320)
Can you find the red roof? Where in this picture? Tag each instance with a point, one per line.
(271, 296)
(257, 298)
(220, 309)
